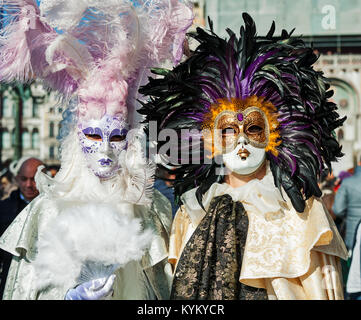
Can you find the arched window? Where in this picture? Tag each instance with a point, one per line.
(51, 129)
(346, 98)
(15, 106)
(27, 108)
(51, 152)
(59, 128)
(7, 104)
(13, 142)
(25, 139)
(6, 139)
(35, 110)
(35, 139)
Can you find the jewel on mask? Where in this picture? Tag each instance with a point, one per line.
(240, 117)
(253, 117)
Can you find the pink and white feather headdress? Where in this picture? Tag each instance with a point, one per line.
(98, 51)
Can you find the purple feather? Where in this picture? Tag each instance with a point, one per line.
(290, 159)
(246, 81)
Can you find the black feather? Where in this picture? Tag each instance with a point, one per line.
(179, 98)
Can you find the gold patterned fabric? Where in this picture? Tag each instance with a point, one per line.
(291, 255)
(209, 267)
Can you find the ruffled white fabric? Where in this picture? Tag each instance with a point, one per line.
(259, 196)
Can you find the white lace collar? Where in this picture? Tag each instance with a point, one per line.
(259, 196)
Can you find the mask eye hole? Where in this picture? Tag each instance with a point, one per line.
(254, 129)
(117, 138)
(94, 137)
(229, 131)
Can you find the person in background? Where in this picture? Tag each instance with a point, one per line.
(347, 206)
(26, 181)
(353, 285)
(8, 184)
(329, 185)
(7, 179)
(341, 176)
(326, 184)
(14, 204)
(164, 184)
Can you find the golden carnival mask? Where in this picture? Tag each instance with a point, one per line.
(252, 118)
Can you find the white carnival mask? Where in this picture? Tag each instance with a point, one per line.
(102, 141)
(245, 158)
(242, 136)
(242, 131)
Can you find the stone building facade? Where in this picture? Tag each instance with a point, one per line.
(332, 26)
(40, 125)
(344, 72)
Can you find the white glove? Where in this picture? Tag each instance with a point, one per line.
(98, 289)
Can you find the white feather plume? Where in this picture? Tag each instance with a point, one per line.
(137, 171)
(63, 14)
(88, 235)
(78, 59)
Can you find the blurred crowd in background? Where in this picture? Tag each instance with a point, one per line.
(342, 198)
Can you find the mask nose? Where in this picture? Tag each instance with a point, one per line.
(242, 140)
(105, 147)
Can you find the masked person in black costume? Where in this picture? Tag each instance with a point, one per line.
(251, 224)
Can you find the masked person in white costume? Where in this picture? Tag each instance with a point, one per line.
(256, 116)
(98, 229)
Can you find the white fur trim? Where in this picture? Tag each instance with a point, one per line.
(89, 232)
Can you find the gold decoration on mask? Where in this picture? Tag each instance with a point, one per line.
(253, 117)
(255, 126)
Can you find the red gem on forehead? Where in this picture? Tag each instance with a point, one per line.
(240, 117)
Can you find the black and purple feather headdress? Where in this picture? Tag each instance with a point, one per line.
(276, 70)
